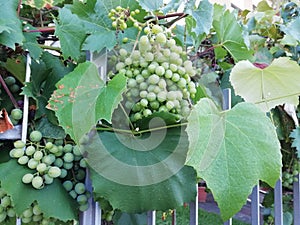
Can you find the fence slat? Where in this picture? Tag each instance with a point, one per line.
(296, 197)
(228, 222)
(278, 203)
(255, 212)
(151, 218)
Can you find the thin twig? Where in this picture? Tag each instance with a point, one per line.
(13, 100)
(19, 7)
(41, 30)
(160, 17)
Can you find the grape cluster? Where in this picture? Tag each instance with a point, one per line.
(159, 76)
(50, 161)
(120, 16)
(16, 115)
(6, 206)
(12, 84)
(289, 176)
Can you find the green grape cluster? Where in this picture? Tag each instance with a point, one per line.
(50, 161)
(120, 16)
(6, 206)
(289, 176)
(159, 76)
(12, 84)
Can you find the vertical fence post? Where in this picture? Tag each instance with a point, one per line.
(278, 203)
(194, 210)
(151, 220)
(255, 212)
(296, 198)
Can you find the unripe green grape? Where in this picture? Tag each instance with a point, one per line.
(123, 26)
(161, 38)
(125, 40)
(81, 199)
(154, 105)
(131, 83)
(151, 96)
(137, 11)
(162, 84)
(37, 182)
(38, 155)
(152, 67)
(27, 213)
(26, 219)
(23, 160)
(156, 29)
(182, 82)
(149, 56)
(143, 86)
(54, 171)
(48, 145)
(48, 179)
(175, 77)
(178, 61)
(83, 163)
(84, 207)
(168, 74)
(16, 114)
(163, 108)
(73, 194)
(19, 144)
(68, 157)
(160, 70)
(3, 216)
(157, 89)
(79, 188)
(173, 67)
(129, 73)
(153, 79)
(181, 70)
(68, 148)
(162, 96)
(35, 136)
(76, 151)
(68, 165)
(171, 95)
(54, 149)
(171, 42)
(128, 61)
(114, 24)
(58, 162)
(144, 102)
(165, 65)
(10, 80)
(144, 40)
(36, 210)
(170, 105)
(145, 73)
(18, 152)
(11, 212)
(135, 92)
(147, 112)
(64, 173)
(37, 218)
(139, 79)
(80, 174)
(5, 201)
(2, 193)
(41, 167)
(120, 65)
(32, 163)
(48, 159)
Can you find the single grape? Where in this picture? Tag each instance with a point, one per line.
(68, 165)
(16, 114)
(144, 102)
(37, 218)
(73, 194)
(26, 219)
(38, 155)
(83, 163)
(161, 38)
(5, 201)
(162, 96)
(11, 212)
(58, 162)
(68, 148)
(41, 167)
(54, 171)
(23, 160)
(153, 79)
(19, 144)
(68, 157)
(84, 207)
(156, 29)
(147, 112)
(3, 216)
(37, 182)
(64, 173)
(49, 159)
(32, 163)
(48, 179)
(18, 152)
(79, 188)
(35, 136)
(160, 70)
(9, 80)
(80, 174)
(151, 96)
(27, 213)
(36, 210)
(68, 185)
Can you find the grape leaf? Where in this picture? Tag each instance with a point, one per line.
(53, 200)
(42, 3)
(135, 168)
(276, 84)
(151, 5)
(121, 218)
(230, 154)
(292, 29)
(295, 134)
(203, 13)
(10, 25)
(31, 43)
(230, 35)
(84, 88)
(87, 26)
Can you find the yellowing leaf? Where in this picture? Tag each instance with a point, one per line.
(274, 85)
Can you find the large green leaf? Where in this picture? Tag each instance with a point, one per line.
(151, 5)
(230, 34)
(82, 98)
(276, 84)
(10, 25)
(202, 16)
(130, 170)
(86, 26)
(53, 200)
(232, 151)
(292, 29)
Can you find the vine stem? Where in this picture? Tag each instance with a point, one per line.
(107, 128)
(19, 7)
(50, 48)
(41, 30)
(13, 100)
